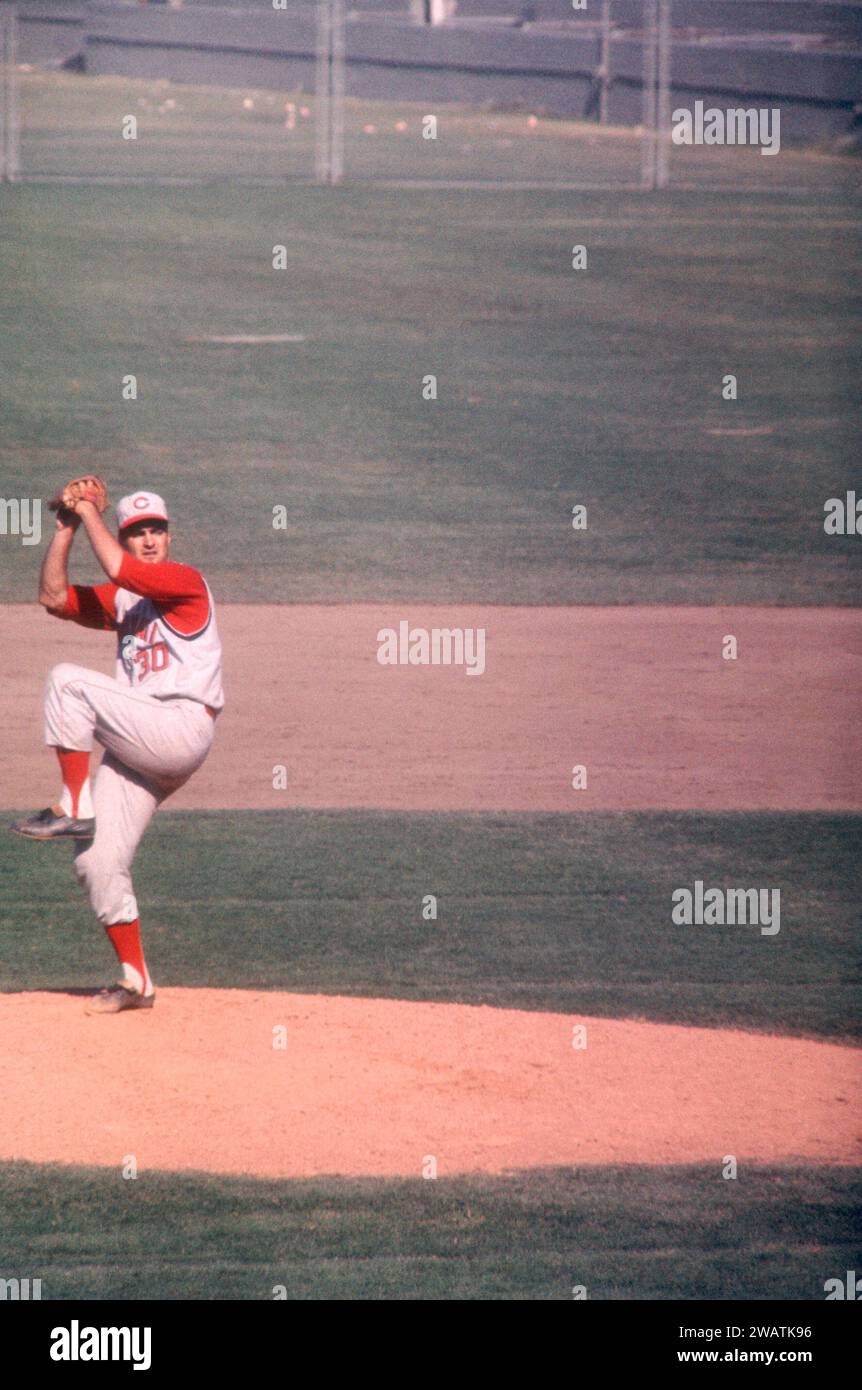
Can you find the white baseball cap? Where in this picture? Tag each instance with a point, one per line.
(140, 506)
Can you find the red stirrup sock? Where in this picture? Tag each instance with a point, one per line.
(75, 798)
(125, 938)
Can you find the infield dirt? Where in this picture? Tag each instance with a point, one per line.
(641, 697)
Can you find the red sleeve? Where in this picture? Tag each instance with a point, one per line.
(179, 591)
(165, 583)
(90, 606)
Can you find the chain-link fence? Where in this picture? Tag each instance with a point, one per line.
(118, 109)
(613, 97)
(214, 92)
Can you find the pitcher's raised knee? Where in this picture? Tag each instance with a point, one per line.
(63, 673)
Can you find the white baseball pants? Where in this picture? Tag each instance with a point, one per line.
(151, 748)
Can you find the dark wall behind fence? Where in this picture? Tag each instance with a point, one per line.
(816, 81)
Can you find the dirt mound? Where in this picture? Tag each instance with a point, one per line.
(378, 1087)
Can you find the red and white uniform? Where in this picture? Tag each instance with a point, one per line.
(167, 639)
(155, 719)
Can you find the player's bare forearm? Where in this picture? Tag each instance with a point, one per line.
(106, 548)
(54, 575)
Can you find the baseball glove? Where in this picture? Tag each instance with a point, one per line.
(89, 489)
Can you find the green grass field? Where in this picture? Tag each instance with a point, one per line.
(555, 386)
(564, 913)
(673, 1233)
(71, 127)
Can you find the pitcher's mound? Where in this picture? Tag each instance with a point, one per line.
(382, 1087)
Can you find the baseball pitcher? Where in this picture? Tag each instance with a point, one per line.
(155, 720)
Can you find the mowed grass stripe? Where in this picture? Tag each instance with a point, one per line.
(555, 387)
(623, 1232)
(549, 912)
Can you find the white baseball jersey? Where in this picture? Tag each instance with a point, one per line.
(167, 637)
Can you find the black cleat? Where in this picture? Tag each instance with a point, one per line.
(53, 824)
(117, 998)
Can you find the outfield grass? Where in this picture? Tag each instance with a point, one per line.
(552, 912)
(555, 387)
(71, 126)
(636, 1232)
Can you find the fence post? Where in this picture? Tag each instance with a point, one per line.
(3, 99)
(605, 62)
(329, 89)
(648, 148)
(663, 80)
(322, 105)
(337, 93)
(9, 168)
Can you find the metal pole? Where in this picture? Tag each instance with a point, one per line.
(322, 104)
(664, 80)
(336, 163)
(14, 120)
(648, 149)
(10, 163)
(605, 62)
(4, 97)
